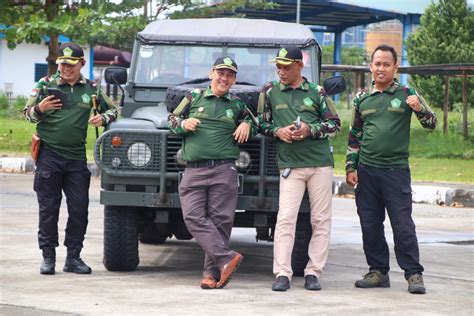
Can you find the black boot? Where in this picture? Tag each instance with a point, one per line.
(75, 264)
(49, 261)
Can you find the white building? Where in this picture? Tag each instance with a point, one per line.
(22, 67)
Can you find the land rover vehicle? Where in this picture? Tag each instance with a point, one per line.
(140, 159)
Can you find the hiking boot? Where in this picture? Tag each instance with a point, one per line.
(49, 261)
(75, 264)
(374, 279)
(415, 284)
(281, 284)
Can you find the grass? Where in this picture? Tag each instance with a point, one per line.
(15, 138)
(434, 156)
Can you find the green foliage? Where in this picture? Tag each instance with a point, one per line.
(350, 56)
(11, 108)
(444, 36)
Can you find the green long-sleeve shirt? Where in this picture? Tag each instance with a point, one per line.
(380, 128)
(65, 130)
(219, 116)
(279, 106)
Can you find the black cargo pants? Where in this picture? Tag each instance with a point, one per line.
(54, 175)
(380, 189)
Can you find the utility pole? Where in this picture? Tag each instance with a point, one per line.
(298, 9)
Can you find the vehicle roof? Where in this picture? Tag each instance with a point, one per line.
(227, 31)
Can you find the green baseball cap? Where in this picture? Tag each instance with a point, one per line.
(69, 53)
(225, 63)
(287, 55)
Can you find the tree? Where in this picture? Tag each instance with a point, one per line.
(444, 36)
(96, 21)
(85, 22)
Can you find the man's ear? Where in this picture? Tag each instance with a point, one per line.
(210, 74)
(83, 62)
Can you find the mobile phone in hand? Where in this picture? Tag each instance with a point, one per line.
(58, 94)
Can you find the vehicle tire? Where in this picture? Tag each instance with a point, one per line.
(152, 235)
(120, 239)
(181, 232)
(299, 257)
(247, 93)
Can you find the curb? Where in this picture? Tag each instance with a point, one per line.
(27, 165)
(442, 194)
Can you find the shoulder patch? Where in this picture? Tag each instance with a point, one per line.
(267, 86)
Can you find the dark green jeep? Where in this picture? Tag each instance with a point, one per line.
(140, 159)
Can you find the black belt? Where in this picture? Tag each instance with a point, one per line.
(208, 163)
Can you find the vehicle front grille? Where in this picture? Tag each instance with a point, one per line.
(115, 159)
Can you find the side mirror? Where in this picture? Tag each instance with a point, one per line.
(115, 75)
(334, 85)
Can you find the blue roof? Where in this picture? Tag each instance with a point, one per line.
(331, 16)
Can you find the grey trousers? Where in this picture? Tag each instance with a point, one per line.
(208, 200)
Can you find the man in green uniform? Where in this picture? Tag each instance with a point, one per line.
(212, 122)
(377, 165)
(61, 165)
(305, 161)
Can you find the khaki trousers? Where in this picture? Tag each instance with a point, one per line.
(318, 181)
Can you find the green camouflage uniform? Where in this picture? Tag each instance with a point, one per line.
(380, 130)
(64, 131)
(279, 105)
(219, 116)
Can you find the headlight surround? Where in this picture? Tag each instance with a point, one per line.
(139, 154)
(244, 160)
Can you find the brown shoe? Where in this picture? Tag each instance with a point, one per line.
(208, 283)
(227, 270)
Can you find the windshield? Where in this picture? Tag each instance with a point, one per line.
(171, 65)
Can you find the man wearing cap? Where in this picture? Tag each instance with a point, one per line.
(61, 165)
(377, 166)
(212, 122)
(301, 117)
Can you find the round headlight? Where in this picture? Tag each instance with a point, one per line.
(243, 161)
(139, 154)
(179, 157)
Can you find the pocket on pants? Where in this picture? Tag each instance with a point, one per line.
(41, 176)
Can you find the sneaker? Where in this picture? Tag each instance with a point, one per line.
(311, 283)
(281, 284)
(373, 279)
(415, 284)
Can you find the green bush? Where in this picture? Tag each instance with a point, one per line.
(12, 108)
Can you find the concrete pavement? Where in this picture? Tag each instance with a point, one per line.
(166, 282)
(451, 194)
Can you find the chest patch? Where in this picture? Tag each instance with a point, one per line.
(308, 101)
(86, 98)
(229, 113)
(396, 103)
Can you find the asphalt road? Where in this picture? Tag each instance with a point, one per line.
(167, 281)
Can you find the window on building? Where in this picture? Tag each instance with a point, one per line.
(41, 70)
